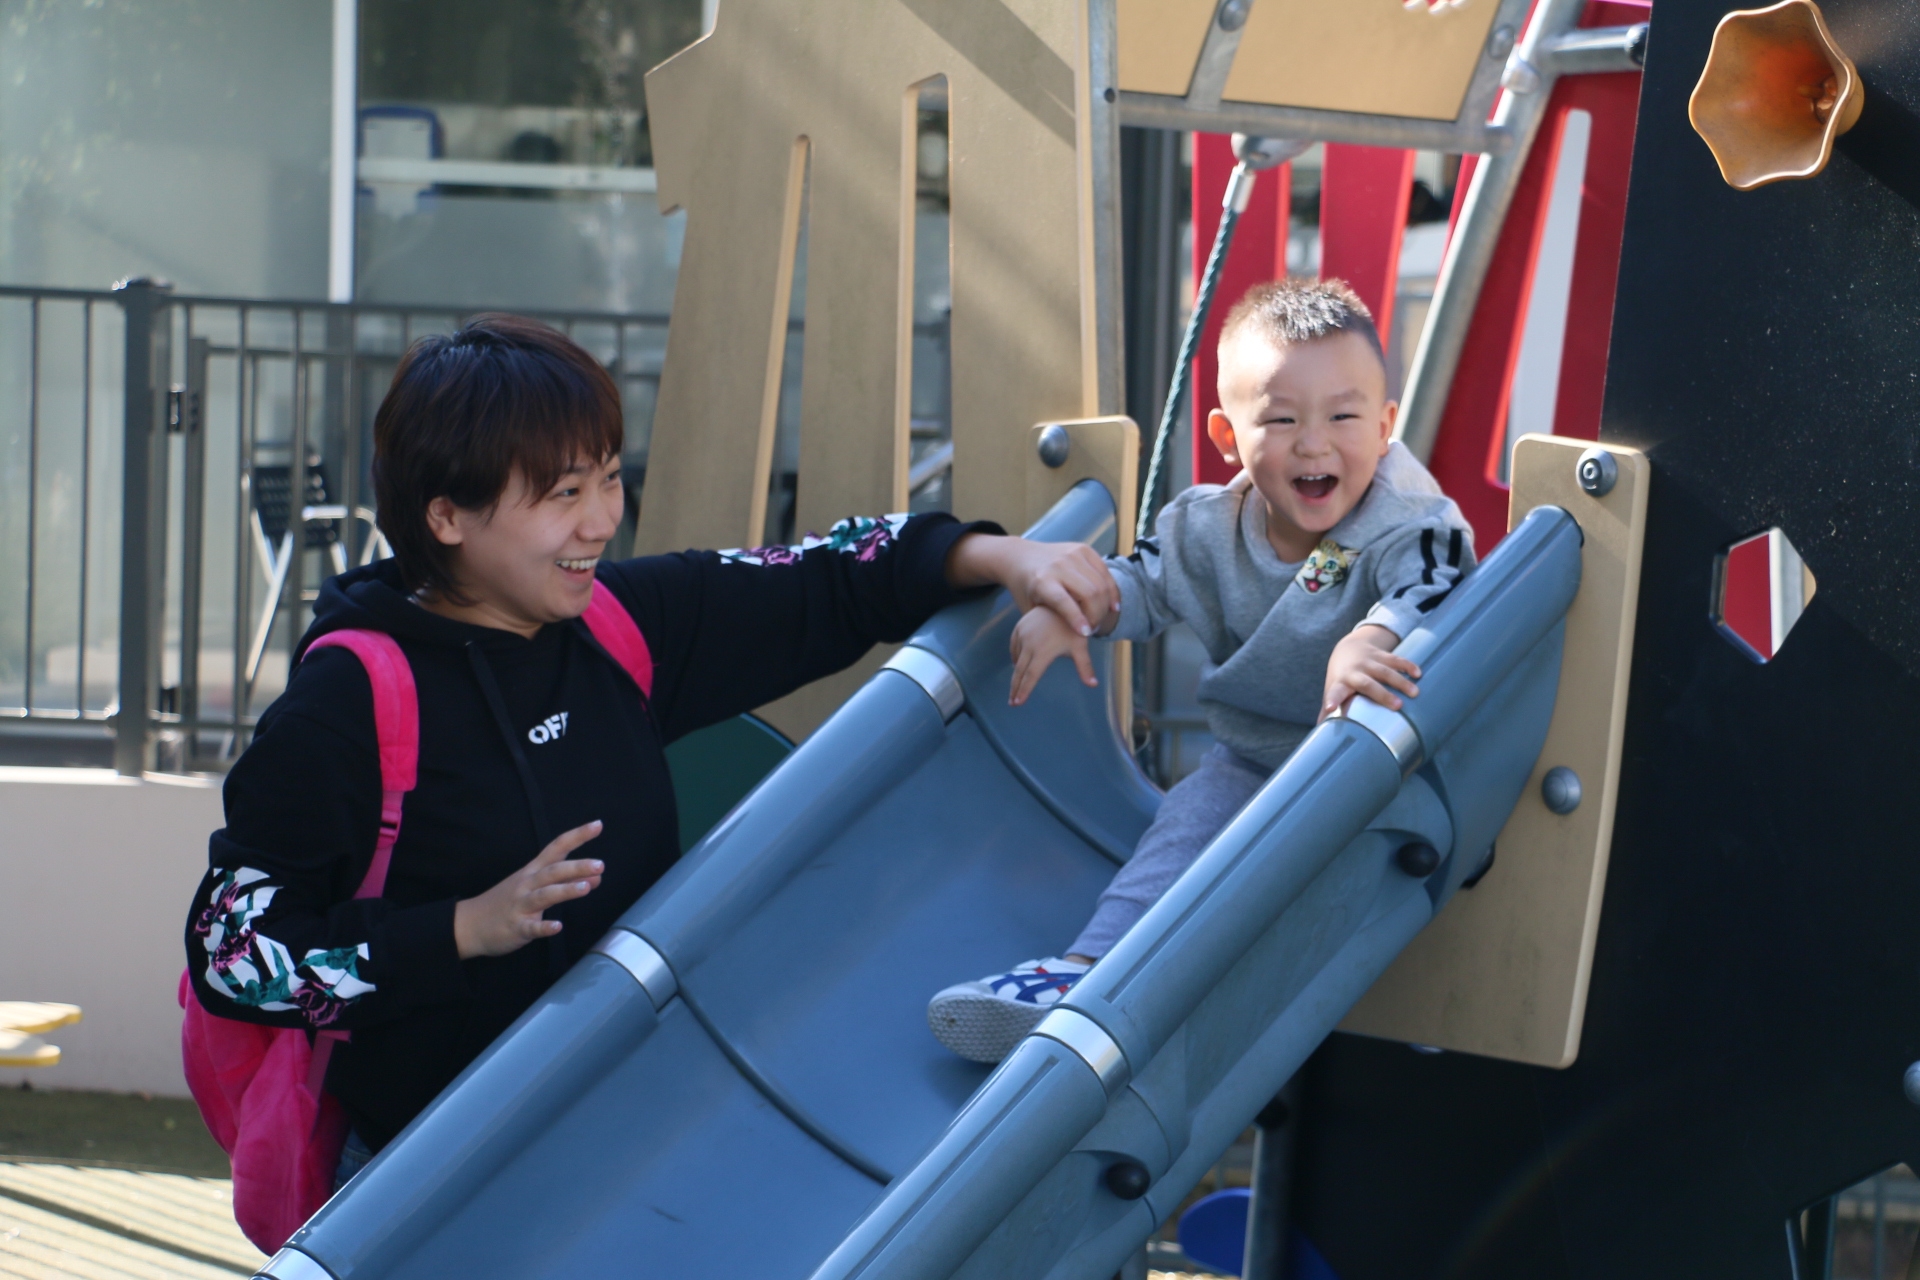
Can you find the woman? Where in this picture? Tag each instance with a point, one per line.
(496, 469)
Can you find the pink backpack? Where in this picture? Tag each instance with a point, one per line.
(259, 1088)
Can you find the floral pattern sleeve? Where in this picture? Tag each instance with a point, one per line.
(862, 537)
(256, 971)
(734, 630)
(274, 934)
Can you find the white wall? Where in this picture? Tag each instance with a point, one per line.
(186, 139)
(96, 874)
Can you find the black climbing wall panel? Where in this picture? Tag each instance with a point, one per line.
(1756, 989)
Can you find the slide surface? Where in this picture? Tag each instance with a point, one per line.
(744, 1083)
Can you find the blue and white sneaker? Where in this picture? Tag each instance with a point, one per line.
(982, 1021)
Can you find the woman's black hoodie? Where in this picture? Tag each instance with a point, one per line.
(275, 935)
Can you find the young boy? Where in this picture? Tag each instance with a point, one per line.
(1300, 577)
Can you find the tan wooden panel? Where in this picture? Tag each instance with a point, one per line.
(1373, 56)
(787, 97)
(1160, 43)
(728, 114)
(1103, 449)
(1107, 450)
(1503, 970)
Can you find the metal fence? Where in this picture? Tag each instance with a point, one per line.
(177, 474)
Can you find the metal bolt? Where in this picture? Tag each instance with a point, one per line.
(1418, 859)
(1910, 1084)
(1561, 789)
(1233, 14)
(1597, 472)
(1128, 1179)
(1520, 77)
(1054, 445)
(1500, 42)
(1264, 153)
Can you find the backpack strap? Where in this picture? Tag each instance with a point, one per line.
(619, 635)
(396, 722)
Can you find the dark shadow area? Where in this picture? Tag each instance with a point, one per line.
(1886, 143)
(57, 750)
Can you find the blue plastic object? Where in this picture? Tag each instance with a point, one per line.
(777, 1108)
(1213, 1230)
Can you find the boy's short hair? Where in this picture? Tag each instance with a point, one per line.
(466, 410)
(1286, 312)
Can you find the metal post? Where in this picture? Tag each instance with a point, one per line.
(1823, 1221)
(1266, 1252)
(143, 540)
(1529, 83)
(193, 519)
(296, 579)
(1150, 164)
(339, 442)
(1102, 302)
(1810, 1245)
(343, 176)
(1879, 1224)
(33, 494)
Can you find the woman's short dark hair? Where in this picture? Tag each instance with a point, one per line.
(465, 411)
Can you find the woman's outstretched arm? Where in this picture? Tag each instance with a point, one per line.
(734, 630)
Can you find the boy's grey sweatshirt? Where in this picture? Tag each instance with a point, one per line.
(1270, 627)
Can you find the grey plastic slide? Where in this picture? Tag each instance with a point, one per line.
(742, 1084)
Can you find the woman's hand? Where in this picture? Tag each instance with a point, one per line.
(1068, 578)
(1038, 639)
(1364, 665)
(508, 916)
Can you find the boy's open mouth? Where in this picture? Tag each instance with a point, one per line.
(581, 568)
(1314, 488)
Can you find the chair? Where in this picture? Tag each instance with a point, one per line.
(321, 522)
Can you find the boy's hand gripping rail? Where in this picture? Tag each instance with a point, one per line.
(1057, 1084)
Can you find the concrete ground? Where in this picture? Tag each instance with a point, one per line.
(94, 1223)
(103, 1186)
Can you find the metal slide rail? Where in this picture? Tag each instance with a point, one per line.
(589, 1087)
(742, 1068)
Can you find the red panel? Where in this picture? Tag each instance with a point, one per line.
(1473, 429)
(1746, 597)
(1259, 253)
(1614, 102)
(1476, 411)
(1363, 221)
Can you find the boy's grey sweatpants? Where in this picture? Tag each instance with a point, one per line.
(1193, 813)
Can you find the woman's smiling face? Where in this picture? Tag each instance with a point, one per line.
(529, 559)
(1309, 421)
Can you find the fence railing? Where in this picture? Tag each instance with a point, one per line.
(177, 474)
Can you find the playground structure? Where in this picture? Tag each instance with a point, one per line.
(1076, 1147)
(670, 1104)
